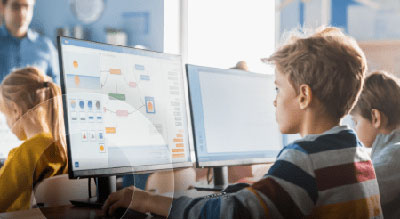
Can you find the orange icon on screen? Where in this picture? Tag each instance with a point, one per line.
(75, 64)
(111, 130)
(150, 106)
(101, 147)
(77, 80)
(115, 71)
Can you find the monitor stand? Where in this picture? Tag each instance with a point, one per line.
(220, 179)
(105, 186)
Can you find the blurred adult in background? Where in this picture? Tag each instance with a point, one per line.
(22, 47)
(33, 109)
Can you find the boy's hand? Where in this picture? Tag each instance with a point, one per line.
(130, 197)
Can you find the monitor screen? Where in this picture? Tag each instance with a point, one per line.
(8, 139)
(233, 116)
(124, 109)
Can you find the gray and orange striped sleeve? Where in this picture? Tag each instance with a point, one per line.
(287, 191)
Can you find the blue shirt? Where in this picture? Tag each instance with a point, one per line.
(32, 50)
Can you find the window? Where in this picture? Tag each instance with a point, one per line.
(222, 32)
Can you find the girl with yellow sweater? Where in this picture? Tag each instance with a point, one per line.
(33, 109)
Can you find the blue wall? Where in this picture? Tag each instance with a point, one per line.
(147, 16)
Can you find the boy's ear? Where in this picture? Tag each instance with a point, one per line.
(305, 96)
(376, 118)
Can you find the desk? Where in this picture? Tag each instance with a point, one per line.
(61, 212)
(55, 212)
(70, 211)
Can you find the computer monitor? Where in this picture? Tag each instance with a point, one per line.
(8, 139)
(233, 118)
(124, 109)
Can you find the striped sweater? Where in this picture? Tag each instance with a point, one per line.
(320, 176)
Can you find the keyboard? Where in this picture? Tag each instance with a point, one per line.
(119, 213)
(215, 195)
(126, 213)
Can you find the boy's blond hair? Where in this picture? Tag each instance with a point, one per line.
(332, 64)
(381, 91)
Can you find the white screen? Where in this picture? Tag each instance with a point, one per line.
(8, 139)
(239, 115)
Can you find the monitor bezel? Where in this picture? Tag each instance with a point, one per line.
(220, 163)
(101, 172)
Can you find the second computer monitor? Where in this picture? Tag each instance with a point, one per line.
(233, 116)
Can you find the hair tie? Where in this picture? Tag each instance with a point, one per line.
(45, 84)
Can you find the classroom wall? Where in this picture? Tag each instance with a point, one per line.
(142, 19)
(363, 21)
(298, 14)
(290, 17)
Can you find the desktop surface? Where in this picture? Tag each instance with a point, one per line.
(124, 109)
(70, 211)
(66, 212)
(233, 116)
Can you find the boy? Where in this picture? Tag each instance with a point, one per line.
(377, 122)
(327, 174)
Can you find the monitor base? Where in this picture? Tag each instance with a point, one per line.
(220, 179)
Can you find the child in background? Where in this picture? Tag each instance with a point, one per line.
(377, 123)
(326, 174)
(33, 109)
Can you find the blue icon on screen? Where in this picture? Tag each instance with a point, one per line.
(82, 104)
